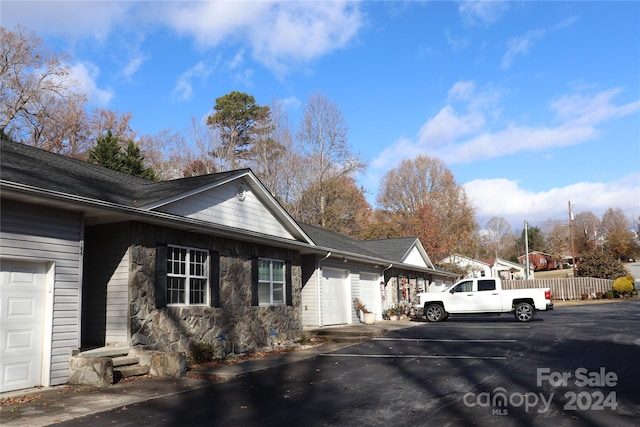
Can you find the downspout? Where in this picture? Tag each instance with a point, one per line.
(318, 286)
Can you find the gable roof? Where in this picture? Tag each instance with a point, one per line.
(393, 251)
(508, 263)
(454, 259)
(331, 239)
(397, 249)
(39, 173)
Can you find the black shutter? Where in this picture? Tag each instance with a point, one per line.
(288, 285)
(161, 276)
(214, 278)
(254, 281)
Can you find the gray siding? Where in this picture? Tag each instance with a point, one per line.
(30, 232)
(221, 206)
(310, 302)
(106, 299)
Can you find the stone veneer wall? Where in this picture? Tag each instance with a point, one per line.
(236, 326)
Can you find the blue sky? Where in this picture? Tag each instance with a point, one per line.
(531, 104)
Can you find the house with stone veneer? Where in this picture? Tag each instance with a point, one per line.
(93, 257)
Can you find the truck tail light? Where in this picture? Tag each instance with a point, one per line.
(547, 295)
(418, 299)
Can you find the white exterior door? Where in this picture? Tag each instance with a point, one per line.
(370, 292)
(335, 297)
(22, 307)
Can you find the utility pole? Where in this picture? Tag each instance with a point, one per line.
(573, 257)
(526, 250)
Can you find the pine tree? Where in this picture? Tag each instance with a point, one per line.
(109, 153)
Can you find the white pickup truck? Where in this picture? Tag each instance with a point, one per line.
(483, 296)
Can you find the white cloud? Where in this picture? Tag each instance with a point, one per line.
(520, 46)
(582, 109)
(73, 19)
(133, 66)
(184, 88)
(456, 43)
(279, 33)
(476, 134)
(447, 126)
(482, 12)
(516, 204)
(86, 74)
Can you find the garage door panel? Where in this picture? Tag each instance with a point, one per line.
(17, 373)
(22, 296)
(335, 294)
(370, 291)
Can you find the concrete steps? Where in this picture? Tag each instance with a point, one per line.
(124, 366)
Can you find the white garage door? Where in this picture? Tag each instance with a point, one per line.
(22, 298)
(335, 297)
(370, 292)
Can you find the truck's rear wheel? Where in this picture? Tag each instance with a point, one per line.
(524, 312)
(434, 312)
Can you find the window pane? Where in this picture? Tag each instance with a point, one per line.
(278, 271)
(175, 290)
(198, 291)
(278, 293)
(264, 293)
(197, 262)
(264, 271)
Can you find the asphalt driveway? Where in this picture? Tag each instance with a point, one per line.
(574, 366)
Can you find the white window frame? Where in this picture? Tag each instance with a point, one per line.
(188, 276)
(271, 282)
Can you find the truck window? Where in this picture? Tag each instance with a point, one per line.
(464, 287)
(486, 285)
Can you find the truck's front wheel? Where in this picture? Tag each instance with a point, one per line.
(434, 312)
(524, 312)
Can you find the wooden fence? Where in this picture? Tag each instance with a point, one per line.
(564, 289)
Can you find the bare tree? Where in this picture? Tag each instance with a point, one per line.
(415, 183)
(558, 240)
(323, 137)
(619, 239)
(268, 154)
(35, 86)
(587, 232)
(499, 235)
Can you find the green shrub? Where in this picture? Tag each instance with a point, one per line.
(608, 295)
(623, 285)
(201, 352)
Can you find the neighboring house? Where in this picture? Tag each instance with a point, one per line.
(508, 270)
(538, 261)
(381, 273)
(93, 257)
(498, 267)
(473, 267)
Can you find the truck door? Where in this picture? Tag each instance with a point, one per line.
(462, 298)
(486, 297)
